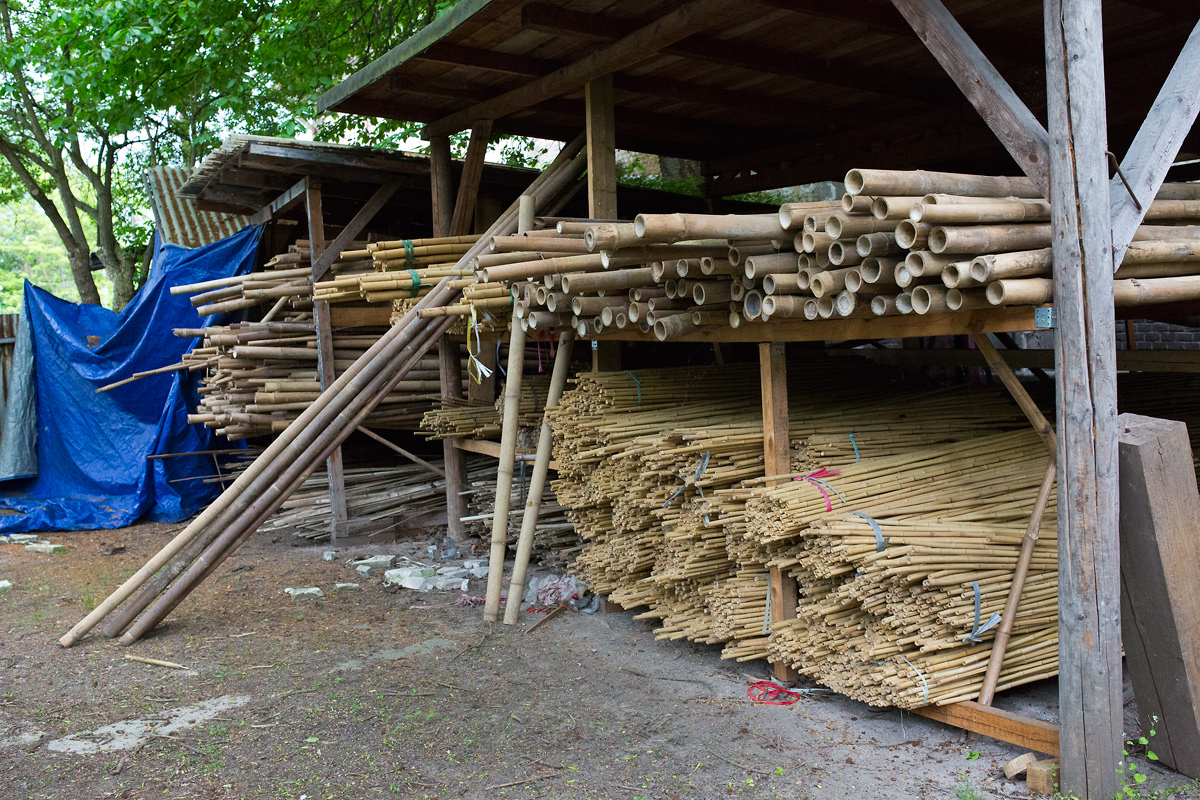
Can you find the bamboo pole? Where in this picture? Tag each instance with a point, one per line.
(537, 482)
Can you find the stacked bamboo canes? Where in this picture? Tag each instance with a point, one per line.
(400, 269)
(899, 242)
(260, 376)
(658, 489)
(284, 465)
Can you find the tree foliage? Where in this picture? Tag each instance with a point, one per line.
(94, 92)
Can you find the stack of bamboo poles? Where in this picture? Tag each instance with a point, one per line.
(555, 542)
(895, 555)
(260, 376)
(459, 418)
(899, 242)
(298, 451)
(379, 500)
(656, 469)
(401, 269)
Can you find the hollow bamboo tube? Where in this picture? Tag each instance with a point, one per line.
(238, 280)
(854, 281)
(1004, 372)
(826, 306)
(782, 284)
(830, 281)
(674, 326)
(1021, 264)
(504, 472)
(739, 253)
(989, 238)
(610, 236)
(331, 403)
(844, 254)
(960, 300)
(537, 482)
(912, 235)
(1021, 292)
(893, 207)
(541, 267)
(904, 303)
(752, 305)
(1147, 291)
(709, 292)
(981, 213)
(883, 305)
(543, 320)
(773, 264)
(848, 304)
(1000, 644)
(680, 227)
(783, 306)
(917, 183)
(877, 244)
(850, 226)
(811, 309)
(812, 241)
(926, 299)
(718, 266)
(879, 271)
(615, 280)
(922, 262)
(791, 215)
(542, 244)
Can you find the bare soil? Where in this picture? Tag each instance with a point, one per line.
(359, 695)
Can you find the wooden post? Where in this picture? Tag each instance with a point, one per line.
(772, 365)
(537, 482)
(442, 184)
(484, 389)
(450, 373)
(1090, 702)
(472, 174)
(316, 235)
(602, 185)
(1160, 605)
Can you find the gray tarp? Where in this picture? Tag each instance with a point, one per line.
(18, 436)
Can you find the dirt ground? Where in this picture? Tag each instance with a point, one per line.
(359, 695)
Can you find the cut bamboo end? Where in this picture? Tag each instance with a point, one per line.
(1021, 292)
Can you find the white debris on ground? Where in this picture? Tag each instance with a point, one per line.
(6, 586)
(19, 538)
(45, 547)
(128, 734)
(305, 593)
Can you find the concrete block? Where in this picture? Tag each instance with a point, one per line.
(399, 575)
(21, 538)
(329, 555)
(45, 547)
(342, 588)
(374, 562)
(476, 567)
(307, 593)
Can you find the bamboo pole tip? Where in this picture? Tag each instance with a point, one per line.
(995, 293)
(954, 299)
(939, 239)
(854, 182)
(979, 270)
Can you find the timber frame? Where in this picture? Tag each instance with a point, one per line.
(673, 70)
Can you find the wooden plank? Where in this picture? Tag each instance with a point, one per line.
(468, 185)
(1160, 598)
(450, 372)
(1005, 113)
(325, 358)
(486, 447)
(1090, 701)
(442, 185)
(354, 228)
(638, 46)
(483, 389)
(1127, 360)
(1156, 145)
(772, 367)
(1025, 732)
(280, 204)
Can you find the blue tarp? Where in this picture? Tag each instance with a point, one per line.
(92, 449)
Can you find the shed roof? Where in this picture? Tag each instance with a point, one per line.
(766, 93)
(178, 220)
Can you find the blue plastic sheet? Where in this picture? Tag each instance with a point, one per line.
(92, 449)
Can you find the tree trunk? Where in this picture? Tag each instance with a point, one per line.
(81, 271)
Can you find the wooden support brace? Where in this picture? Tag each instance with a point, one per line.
(450, 374)
(772, 366)
(1026, 732)
(282, 203)
(472, 174)
(356, 226)
(325, 359)
(397, 448)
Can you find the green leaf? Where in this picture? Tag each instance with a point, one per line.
(312, 739)
(1142, 740)
(1139, 777)
(974, 755)
(1150, 755)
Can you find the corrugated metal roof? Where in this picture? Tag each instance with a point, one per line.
(178, 220)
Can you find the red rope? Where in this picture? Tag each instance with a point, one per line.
(771, 694)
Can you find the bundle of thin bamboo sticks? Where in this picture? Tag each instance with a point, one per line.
(657, 467)
(400, 269)
(260, 376)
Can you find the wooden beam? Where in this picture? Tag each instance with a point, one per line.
(1160, 602)
(601, 149)
(388, 443)
(1089, 680)
(450, 372)
(442, 184)
(468, 185)
(354, 228)
(1025, 732)
(1155, 147)
(772, 367)
(483, 390)
(1005, 113)
(280, 204)
(325, 358)
(638, 46)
